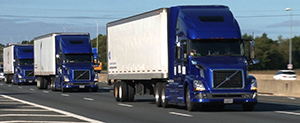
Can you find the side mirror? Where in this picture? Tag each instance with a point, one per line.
(252, 53)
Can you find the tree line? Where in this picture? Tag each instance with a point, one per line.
(272, 54)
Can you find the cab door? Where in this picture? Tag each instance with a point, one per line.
(179, 71)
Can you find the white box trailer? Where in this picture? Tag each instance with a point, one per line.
(138, 47)
(44, 55)
(8, 60)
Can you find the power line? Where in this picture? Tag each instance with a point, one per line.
(57, 17)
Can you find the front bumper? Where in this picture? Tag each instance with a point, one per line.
(80, 85)
(225, 98)
(31, 80)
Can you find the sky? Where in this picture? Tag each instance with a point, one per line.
(25, 19)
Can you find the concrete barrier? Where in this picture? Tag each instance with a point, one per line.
(266, 84)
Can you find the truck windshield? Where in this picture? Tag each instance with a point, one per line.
(78, 58)
(25, 61)
(216, 47)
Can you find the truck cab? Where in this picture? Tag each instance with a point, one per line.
(210, 63)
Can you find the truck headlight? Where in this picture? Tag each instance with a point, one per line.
(66, 79)
(19, 76)
(253, 84)
(198, 85)
(96, 77)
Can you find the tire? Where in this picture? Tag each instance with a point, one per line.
(40, 82)
(157, 94)
(123, 92)
(116, 91)
(189, 105)
(45, 85)
(95, 89)
(164, 99)
(131, 91)
(248, 107)
(53, 87)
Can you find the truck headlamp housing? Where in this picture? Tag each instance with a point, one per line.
(253, 85)
(66, 79)
(19, 76)
(198, 85)
(96, 77)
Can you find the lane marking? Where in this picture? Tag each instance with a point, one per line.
(9, 85)
(31, 115)
(24, 121)
(291, 98)
(125, 105)
(55, 110)
(20, 87)
(1, 84)
(181, 114)
(89, 99)
(285, 112)
(23, 110)
(32, 89)
(46, 92)
(66, 95)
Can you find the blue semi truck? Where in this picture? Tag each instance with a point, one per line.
(18, 64)
(183, 55)
(64, 61)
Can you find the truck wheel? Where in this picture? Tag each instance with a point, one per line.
(116, 90)
(45, 84)
(95, 89)
(164, 100)
(131, 91)
(189, 105)
(123, 91)
(40, 82)
(53, 87)
(157, 94)
(248, 107)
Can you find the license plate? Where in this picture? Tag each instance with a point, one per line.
(81, 86)
(226, 101)
(30, 81)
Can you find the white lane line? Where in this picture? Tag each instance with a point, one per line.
(9, 85)
(20, 87)
(23, 110)
(46, 91)
(55, 110)
(66, 95)
(180, 114)
(1, 84)
(285, 112)
(31, 115)
(125, 105)
(23, 121)
(89, 99)
(32, 89)
(291, 98)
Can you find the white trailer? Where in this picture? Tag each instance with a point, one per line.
(137, 47)
(137, 53)
(8, 60)
(44, 55)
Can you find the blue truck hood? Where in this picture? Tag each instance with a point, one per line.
(221, 62)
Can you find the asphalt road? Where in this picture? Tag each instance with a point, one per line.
(25, 103)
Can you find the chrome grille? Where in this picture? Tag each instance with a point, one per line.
(228, 79)
(28, 73)
(81, 75)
